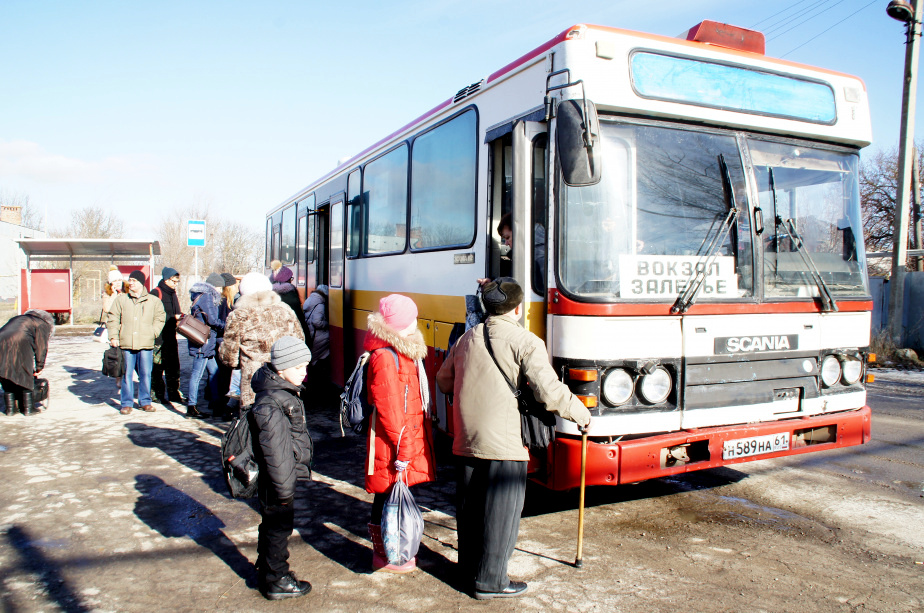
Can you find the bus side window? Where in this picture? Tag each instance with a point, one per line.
(540, 210)
(354, 214)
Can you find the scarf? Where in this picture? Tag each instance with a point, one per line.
(166, 291)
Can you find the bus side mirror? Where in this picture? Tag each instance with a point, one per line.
(578, 142)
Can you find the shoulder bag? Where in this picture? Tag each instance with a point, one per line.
(100, 334)
(193, 329)
(537, 424)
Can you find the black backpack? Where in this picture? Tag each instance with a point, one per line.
(237, 458)
(355, 407)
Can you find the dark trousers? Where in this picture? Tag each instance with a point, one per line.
(319, 391)
(168, 368)
(378, 505)
(273, 540)
(489, 500)
(219, 403)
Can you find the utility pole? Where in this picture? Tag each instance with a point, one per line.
(903, 11)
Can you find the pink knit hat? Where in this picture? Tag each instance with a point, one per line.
(398, 311)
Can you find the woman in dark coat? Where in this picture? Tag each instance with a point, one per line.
(23, 345)
(281, 278)
(169, 363)
(206, 299)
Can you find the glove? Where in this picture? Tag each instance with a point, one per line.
(400, 466)
(580, 414)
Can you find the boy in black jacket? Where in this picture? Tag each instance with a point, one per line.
(283, 453)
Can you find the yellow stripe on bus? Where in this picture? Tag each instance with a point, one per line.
(440, 312)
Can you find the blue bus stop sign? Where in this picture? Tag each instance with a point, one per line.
(195, 233)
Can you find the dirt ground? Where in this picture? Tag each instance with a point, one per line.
(104, 512)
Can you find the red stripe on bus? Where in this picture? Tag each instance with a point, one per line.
(534, 53)
(560, 305)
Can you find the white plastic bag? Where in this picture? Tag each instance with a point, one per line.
(402, 524)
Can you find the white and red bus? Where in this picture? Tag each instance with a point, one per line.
(686, 223)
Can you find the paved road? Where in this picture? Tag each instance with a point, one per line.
(128, 513)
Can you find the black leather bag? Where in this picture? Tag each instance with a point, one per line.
(113, 364)
(537, 424)
(40, 391)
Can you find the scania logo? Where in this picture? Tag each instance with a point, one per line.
(750, 344)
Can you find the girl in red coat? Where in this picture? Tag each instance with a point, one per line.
(400, 437)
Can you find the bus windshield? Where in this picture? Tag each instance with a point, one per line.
(645, 230)
(815, 193)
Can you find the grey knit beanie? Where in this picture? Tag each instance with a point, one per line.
(287, 352)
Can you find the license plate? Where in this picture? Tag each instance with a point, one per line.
(756, 445)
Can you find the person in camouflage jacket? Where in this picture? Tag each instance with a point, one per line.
(258, 320)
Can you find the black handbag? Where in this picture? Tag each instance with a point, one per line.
(113, 363)
(537, 424)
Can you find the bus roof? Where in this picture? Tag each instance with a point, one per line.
(575, 32)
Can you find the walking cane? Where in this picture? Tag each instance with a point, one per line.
(579, 560)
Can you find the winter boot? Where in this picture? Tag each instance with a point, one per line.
(10, 405)
(379, 557)
(26, 405)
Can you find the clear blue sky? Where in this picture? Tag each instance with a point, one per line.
(145, 107)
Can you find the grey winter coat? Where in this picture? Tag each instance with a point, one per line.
(316, 324)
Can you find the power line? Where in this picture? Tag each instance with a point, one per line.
(779, 13)
(793, 16)
(811, 12)
(831, 27)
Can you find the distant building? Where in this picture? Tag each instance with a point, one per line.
(12, 258)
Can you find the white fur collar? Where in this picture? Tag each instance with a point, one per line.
(258, 299)
(412, 346)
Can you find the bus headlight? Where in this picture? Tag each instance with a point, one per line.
(852, 369)
(830, 370)
(656, 387)
(617, 386)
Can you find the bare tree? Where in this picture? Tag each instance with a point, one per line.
(91, 222)
(239, 248)
(31, 217)
(230, 246)
(878, 194)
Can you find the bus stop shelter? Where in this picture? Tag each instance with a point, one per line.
(52, 289)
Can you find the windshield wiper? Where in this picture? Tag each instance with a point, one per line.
(686, 298)
(827, 299)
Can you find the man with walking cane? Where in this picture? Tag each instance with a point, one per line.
(488, 445)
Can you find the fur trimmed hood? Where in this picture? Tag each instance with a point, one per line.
(258, 299)
(205, 288)
(413, 346)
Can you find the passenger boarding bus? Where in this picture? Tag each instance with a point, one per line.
(685, 222)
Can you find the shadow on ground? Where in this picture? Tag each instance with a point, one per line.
(174, 514)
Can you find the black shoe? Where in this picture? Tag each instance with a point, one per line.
(162, 399)
(192, 411)
(516, 588)
(286, 587)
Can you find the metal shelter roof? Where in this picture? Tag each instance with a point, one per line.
(101, 249)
